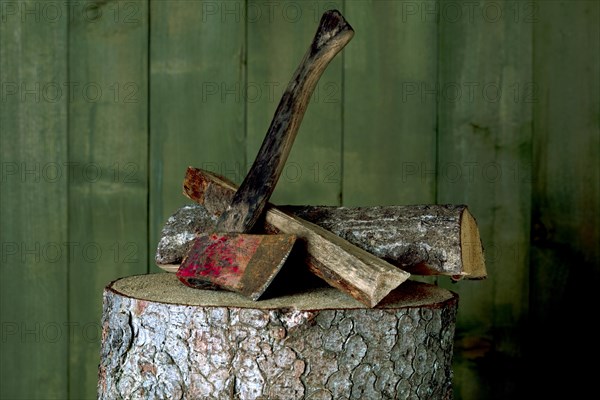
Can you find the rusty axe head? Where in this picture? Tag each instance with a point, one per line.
(244, 263)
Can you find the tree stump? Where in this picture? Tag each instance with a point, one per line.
(163, 340)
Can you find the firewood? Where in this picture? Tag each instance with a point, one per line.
(421, 239)
(343, 265)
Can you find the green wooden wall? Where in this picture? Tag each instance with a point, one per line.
(105, 103)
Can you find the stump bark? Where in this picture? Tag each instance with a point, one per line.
(164, 340)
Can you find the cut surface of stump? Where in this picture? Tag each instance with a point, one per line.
(164, 340)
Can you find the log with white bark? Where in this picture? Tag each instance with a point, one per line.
(420, 239)
(164, 340)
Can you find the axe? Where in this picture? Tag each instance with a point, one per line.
(230, 258)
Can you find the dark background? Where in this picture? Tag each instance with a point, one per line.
(494, 104)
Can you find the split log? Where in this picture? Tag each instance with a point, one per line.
(161, 339)
(421, 239)
(343, 265)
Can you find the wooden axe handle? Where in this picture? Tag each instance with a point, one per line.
(254, 192)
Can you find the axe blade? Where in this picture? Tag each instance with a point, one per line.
(242, 263)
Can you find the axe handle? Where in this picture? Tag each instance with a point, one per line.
(254, 192)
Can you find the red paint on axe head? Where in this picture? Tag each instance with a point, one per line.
(218, 260)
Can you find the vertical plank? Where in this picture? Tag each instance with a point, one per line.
(33, 150)
(389, 115)
(565, 267)
(108, 143)
(485, 96)
(197, 112)
(279, 34)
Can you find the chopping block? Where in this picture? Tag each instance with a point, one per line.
(161, 339)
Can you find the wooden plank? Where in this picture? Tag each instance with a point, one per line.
(485, 96)
(197, 114)
(566, 139)
(278, 37)
(389, 117)
(565, 256)
(33, 187)
(108, 144)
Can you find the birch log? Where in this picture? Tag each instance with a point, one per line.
(420, 239)
(164, 340)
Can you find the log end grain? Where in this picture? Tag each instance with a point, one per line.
(471, 249)
(164, 340)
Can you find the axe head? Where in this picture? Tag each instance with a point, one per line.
(237, 262)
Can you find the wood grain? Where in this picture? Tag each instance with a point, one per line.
(108, 144)
(484, 159)
(565, 252)
(389, 144)
(197, 113)
(33, 210)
